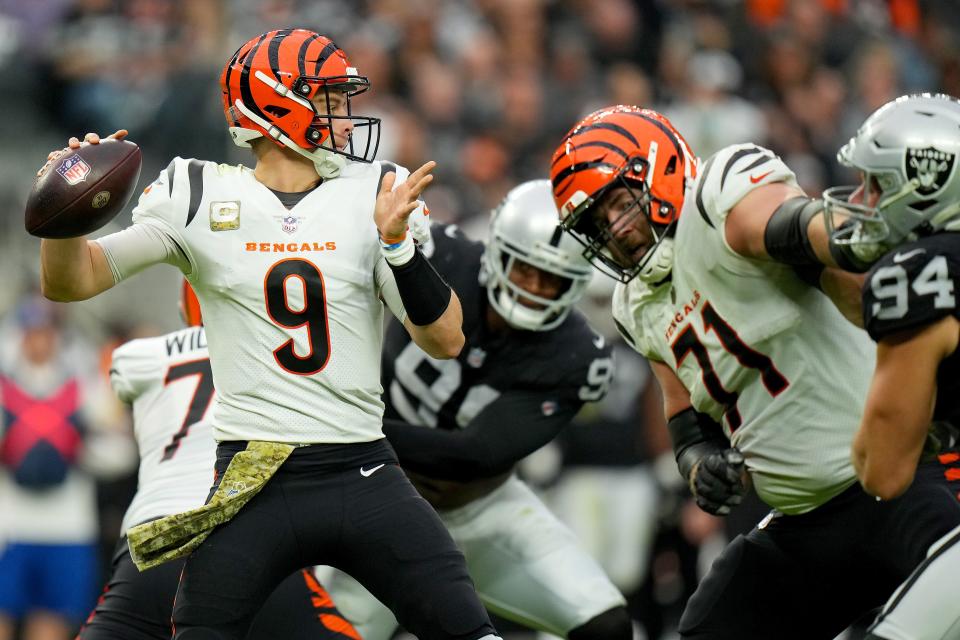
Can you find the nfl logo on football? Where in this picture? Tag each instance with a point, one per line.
(74, 170)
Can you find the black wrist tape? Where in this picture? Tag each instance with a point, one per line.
(424, 293)
(694, 435)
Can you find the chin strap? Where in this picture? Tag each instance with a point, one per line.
(660, 264)
(328, 164)
(517, 315)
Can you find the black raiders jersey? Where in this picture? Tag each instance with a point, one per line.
(570, 364)
(912, 287)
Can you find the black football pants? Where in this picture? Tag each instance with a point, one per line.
(349, 506)
(809, 576)
(137, 605)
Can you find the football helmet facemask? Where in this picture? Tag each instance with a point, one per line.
(524, 228)
(640, 150)
(907, 154)
(270, 86)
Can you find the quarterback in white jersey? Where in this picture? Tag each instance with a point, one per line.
(168, 384)
(763, 378)
(293, 262)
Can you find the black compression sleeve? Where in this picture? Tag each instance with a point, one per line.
(503, 433)
(785, 238)
(424, 293)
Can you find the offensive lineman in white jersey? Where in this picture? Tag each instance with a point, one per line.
(169, 385)
(292, 278)
(762, 377)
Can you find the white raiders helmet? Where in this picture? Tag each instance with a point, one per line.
(526, 227)
(907, 151)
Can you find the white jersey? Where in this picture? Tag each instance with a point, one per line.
(168, 382)
(761, 352)
(292, 300)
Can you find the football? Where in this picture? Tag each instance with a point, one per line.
(83, 189)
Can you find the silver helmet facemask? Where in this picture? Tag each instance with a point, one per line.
(524, 229)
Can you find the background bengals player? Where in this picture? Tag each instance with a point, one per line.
(168, 383)
(294, 340)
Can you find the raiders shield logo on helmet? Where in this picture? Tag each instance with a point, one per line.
(930, 167)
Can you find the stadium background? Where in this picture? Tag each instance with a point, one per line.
(484, 87)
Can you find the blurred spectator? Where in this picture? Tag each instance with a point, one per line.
(710, 114)
(55, 432)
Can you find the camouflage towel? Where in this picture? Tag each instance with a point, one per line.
(159, 541)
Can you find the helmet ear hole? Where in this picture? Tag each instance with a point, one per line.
(276, 110)
(671, 167)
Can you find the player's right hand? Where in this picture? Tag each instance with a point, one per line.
(718, 481)
(394, 206)
(74, 143)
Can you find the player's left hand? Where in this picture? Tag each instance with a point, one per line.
(394, 206)
(74, 143)
(718, 481)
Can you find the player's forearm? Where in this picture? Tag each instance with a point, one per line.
(885, 466)
(888, 445)
(845, 291)
(438, 453)
(73, 269)
(444, 337)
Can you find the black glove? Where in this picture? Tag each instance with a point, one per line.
(717, 481)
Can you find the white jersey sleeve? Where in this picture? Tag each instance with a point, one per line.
(154, 236)
(168, 383)
(732, 173)
(133, 370)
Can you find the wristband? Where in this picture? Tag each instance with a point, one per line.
(423, 292)
(400, 252)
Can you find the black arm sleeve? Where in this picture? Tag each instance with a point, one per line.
(786, 239)
(504, 432)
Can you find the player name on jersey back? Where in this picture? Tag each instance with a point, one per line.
(181, 342)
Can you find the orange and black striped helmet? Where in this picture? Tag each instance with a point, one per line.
(270, 87)
(623, 146)
(190, 306)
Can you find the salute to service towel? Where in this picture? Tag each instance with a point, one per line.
(159, 541)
